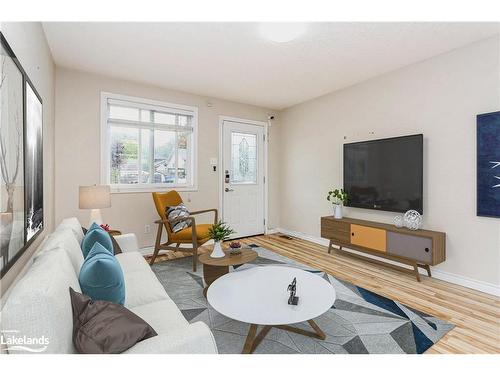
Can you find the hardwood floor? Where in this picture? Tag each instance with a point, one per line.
(475, 314)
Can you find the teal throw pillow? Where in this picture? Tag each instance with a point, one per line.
(96, 235)
(95, 226)
(101, 277)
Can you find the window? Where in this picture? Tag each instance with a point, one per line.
(147, 144)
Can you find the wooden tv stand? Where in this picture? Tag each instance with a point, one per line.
(417, 248)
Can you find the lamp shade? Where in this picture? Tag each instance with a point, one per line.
(95, 196)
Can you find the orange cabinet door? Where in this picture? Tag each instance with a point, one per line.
(371, 238)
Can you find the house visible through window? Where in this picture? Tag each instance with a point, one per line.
(149, 144)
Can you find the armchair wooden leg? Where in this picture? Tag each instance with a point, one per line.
(157, 244)
(194, 241)
(195, 256)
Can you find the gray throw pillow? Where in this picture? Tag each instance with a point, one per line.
(102, 327)
(176, 212)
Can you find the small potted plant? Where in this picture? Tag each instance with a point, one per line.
(337, 197)
(219, 232)
(105, 227)
(235, 247)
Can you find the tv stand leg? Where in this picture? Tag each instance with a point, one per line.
(427, 268)
(415, 269)
(330, 247)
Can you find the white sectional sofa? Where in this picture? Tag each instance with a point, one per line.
(38, 305)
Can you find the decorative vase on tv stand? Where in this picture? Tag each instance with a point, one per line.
(338, 197)
(219, 232)
(337, 211)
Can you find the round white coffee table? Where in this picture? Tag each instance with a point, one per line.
(259, 296)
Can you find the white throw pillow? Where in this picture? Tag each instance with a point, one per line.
(39, 305)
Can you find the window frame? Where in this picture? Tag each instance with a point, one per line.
(151, 105)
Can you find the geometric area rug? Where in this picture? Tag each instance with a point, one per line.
(359, 322)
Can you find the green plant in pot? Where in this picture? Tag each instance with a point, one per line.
(219, 232)
(337, 197)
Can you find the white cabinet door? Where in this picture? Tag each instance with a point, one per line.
(243, 177)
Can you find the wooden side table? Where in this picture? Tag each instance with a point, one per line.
(113, 232)
(213, 268)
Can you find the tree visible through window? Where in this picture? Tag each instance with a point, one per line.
(149, 145)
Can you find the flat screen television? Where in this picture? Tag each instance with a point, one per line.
(385, 174)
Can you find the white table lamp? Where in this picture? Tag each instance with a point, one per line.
(94, 198)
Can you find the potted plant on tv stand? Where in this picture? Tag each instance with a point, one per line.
(337, 197)
(219, 232)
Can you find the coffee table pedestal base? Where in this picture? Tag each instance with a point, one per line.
(212, 273)
(254, 339)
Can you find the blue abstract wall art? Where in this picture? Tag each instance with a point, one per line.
(488, 164)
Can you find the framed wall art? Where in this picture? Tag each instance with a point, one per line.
(488, 164)
(21, 159)
(33, 163)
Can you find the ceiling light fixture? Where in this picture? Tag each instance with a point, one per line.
(282, 32)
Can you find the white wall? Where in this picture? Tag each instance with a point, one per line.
(28, 42)
(440, 98)
(78, 158)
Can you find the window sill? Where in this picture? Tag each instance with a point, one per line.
(150, 189)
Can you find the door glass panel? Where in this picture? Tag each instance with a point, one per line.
(243, 158)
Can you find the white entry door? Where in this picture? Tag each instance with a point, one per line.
(243, 177)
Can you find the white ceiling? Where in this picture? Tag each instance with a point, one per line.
(232, 61)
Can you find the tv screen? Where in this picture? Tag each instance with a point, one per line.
(385, 174)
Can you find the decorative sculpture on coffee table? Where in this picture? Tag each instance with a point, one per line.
(292, 288)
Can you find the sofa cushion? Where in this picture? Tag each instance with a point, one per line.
(102, 327)
(97, 235)
(142, 284)
(127, 243)
(64, 238)
(39, 304)
(101, 277)
(164, 316)
(133, 261)
(186, 235)
(143, 288)
(73, 224)
(194, 339)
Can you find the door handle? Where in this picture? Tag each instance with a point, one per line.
(227, 190)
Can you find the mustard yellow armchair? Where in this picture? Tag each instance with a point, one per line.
(196, 234)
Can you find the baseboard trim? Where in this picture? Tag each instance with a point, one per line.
(272, 231)
(481, 286)
(467, 282)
